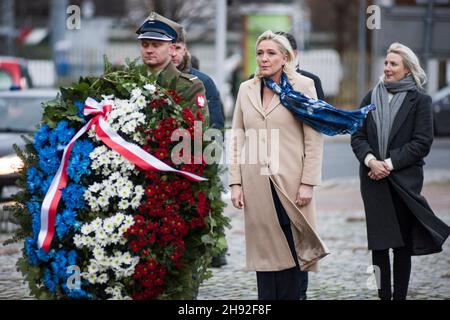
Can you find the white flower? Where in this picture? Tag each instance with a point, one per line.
(103, 159)
(108, 225)
(139, 190)
(118, 218)
(114, 176)
(150, 88)
(98, 252)
(135, 202)
(104, 261)
(123, 204)
(128, 222)
(92, 278)
(122, 230)
(90, 242)
(100, 234)
(103, 201)
(114, 238)
(140, 102)
(93, 268)
(115, 262)
(109, 190)
(96, 223)
(124, 192)
(95, 187)
(136, 92)
(86, 229)
(103, 278)
(109, 290)
(77, 240)
(93, 204)
(126, 258)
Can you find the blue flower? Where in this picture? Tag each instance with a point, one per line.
(50, 281)
(34, 207)
(80, 162)
(34, 179)
(80, 112)
(72, 195)
(45, 185)
(30, 251)
(36, 225)
(61, 135)
(49, 160)
(72, 257)
(61, 228)
(41, 137)
(76, 293)
(69, 217)
(44, 256)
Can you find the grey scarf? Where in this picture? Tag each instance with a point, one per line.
(386, 111)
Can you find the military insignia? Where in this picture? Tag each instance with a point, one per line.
(200, 100)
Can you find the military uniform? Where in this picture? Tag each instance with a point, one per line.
(187, 86)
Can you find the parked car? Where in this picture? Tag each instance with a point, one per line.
(441, 112)
(20, 112)
(14, 74)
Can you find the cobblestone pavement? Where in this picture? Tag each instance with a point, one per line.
(343, 274)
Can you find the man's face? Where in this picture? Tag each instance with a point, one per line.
(178, 53)
(156, 54)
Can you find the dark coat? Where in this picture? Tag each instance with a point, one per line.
(216, 116)
(317, 83)
(410, 141)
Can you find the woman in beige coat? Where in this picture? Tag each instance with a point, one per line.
(275, 163)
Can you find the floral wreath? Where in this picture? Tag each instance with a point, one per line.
(120, 232)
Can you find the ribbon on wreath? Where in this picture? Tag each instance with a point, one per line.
(130, 151)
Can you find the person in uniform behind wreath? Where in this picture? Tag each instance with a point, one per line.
(157, 37)
(181, 58)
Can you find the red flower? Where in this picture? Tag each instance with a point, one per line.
(134, 245)
(188, 116)
(161, 153)
(199, 115)
(139, 220)
(154, 104)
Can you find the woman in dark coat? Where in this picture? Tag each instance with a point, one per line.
(391, 147)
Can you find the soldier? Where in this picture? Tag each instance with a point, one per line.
(157, 36)
(181, 58)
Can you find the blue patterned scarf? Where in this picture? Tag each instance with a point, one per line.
(320, 115)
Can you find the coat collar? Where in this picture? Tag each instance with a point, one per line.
(255, 97)
(402, 113)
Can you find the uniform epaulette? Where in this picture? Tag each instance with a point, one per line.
(190, 77)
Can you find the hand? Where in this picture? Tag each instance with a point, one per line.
(378, 169)
(304, 194)
(237, 196)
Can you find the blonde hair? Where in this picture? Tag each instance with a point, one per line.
(285, 48)
(410, 61)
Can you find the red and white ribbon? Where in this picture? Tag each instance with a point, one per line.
(130, 151)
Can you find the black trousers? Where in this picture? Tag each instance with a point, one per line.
(289, 284)
(402, 256)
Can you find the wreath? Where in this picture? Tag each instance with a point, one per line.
(136, 213)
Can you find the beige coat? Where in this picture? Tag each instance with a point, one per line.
(299, 161)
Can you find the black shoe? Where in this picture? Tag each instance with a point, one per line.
(218, 261)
